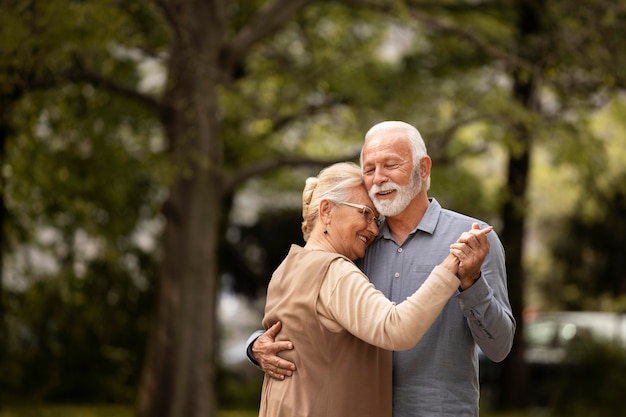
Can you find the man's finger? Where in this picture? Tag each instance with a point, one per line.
(274, 330)
(480, 232)
(475, 234)
(276, 347)
(284, 367)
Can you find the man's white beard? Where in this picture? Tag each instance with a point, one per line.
(404, 195)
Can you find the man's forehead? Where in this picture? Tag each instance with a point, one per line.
(389, 145)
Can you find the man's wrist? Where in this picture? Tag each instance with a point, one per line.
(250, 344)
(462, 288)
(251, 355)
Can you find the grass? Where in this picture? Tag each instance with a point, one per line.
(92, 411)
(67, 411)
(128, 411)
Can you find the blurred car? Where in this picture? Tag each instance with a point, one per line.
(550, 337)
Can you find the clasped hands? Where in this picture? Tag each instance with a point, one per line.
(470, 249)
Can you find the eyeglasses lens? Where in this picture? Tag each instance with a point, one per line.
(369, 214)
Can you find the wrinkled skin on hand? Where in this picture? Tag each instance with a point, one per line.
(471, 249)
(265, 350)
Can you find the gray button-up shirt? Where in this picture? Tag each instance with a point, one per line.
(439, 376)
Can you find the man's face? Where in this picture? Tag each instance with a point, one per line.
(388, 172)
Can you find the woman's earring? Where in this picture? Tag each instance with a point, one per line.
(325, 231)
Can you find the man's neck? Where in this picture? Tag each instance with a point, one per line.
(404, 223)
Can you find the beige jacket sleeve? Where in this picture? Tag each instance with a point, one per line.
(348, 300)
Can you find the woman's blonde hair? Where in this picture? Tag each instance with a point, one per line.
(336, 183)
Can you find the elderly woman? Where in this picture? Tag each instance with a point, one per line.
(343, 330)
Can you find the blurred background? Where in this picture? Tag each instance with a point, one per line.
(153, 155)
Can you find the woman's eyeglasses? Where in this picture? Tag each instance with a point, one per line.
(367, 212)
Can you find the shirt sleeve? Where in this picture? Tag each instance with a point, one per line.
(254, 336)
(349, 301)
(486, 305)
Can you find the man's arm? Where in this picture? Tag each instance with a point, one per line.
(486, 305)
(262, 350)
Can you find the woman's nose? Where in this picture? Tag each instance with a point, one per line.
(373, 227)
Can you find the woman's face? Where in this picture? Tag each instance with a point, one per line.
(349, 229)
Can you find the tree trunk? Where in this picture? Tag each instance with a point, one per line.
(179, 373)
(4, 134)
(514, 376)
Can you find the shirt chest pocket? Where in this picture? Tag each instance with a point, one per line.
(417, 275)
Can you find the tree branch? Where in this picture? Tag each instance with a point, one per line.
(281, 121)
(263, 167)
(30, 82)
(269, 19)
(417, 12)
(85, 75)
(471, 37)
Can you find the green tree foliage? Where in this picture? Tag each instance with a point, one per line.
(79, 338)
(592, 383)
(251, 90)
(257, 250)
(79, 281)
(82, 180)
(589, 253)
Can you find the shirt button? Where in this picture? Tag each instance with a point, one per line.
(399, 250)
(396, 275)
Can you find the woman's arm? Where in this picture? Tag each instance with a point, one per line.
(348, 299)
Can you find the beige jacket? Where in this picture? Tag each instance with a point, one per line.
(339, 324)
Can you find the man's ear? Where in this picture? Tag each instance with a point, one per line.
(425, 165)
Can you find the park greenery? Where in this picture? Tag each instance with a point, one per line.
(153, 153)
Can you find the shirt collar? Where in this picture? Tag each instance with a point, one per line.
(431, 217)
(427, 224)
